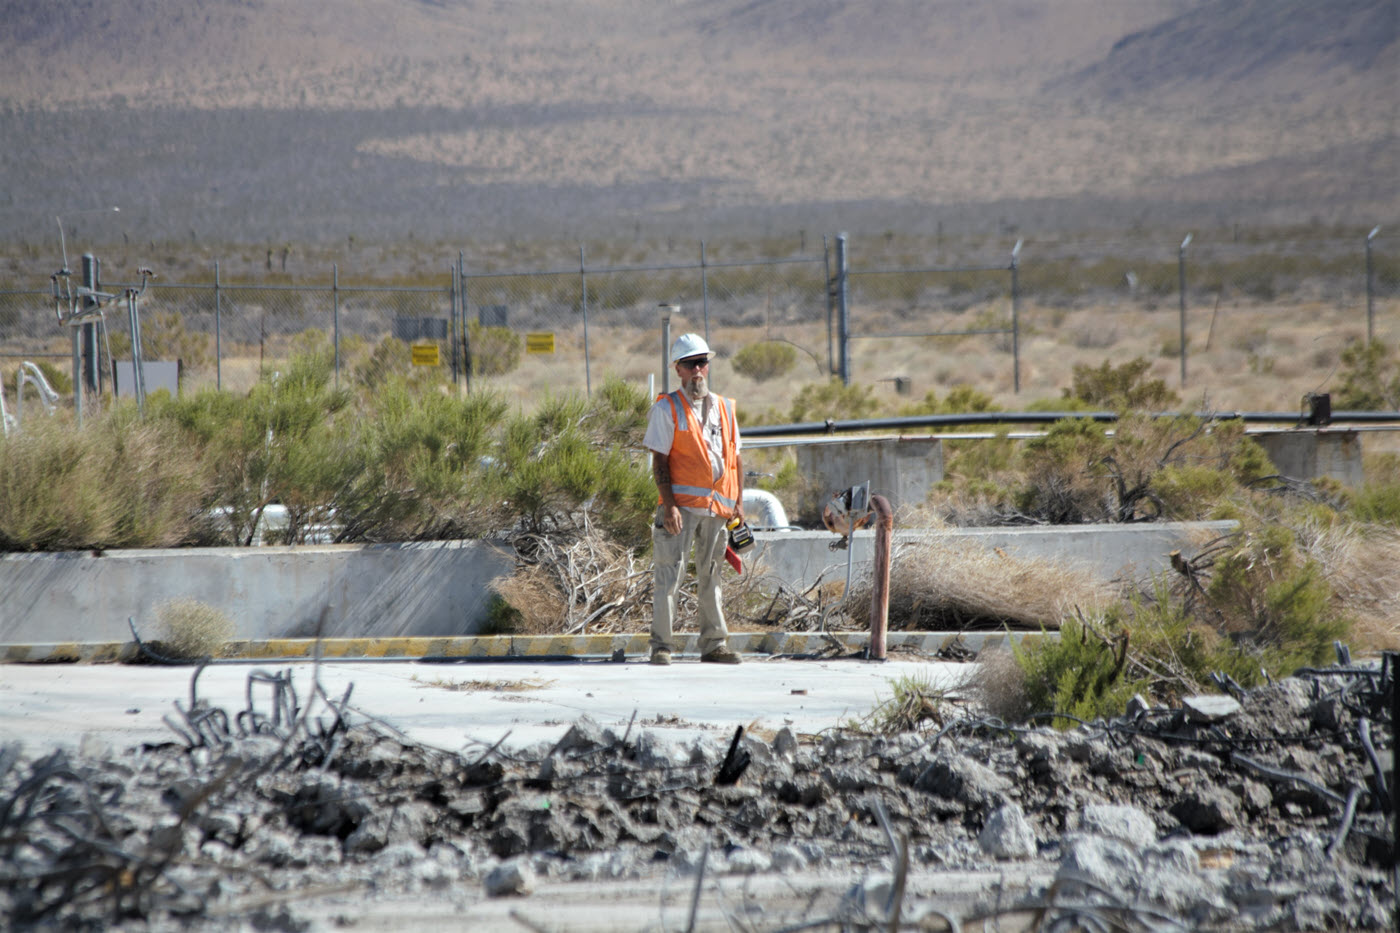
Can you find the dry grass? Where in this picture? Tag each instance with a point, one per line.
(533, 592)
(999, 685)
(585, 586)
(950, 584)
(115, 483)
(612, 594)
(190, 629)
(1362, 565)
(497, 686)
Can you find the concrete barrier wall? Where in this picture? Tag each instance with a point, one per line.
(441, 589)
(1315, 453)
(437, 588)
(903, 470)
(802, 558)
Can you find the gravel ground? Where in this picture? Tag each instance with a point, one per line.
(1256, 810)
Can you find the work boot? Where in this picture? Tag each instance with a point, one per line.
(720, 655)
(661, 656)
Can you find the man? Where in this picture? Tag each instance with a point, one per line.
(694, 440)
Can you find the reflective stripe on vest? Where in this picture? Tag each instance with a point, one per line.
(690, 464)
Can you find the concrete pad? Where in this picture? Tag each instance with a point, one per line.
(462, 705)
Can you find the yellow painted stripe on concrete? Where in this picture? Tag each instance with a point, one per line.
(68, 652)
(507, 646)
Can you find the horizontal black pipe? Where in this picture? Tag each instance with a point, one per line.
(1048, 417)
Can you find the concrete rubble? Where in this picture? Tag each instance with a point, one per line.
(1266, 810)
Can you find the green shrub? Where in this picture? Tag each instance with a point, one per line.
(1063, 473)
(1120, 388)
(1272, 602)
(1183, 490)
(1063, 404)
(390, 357)
(1376, 502)
(832, 401)
(1080, 674)
(982, 458)
(1370, 378)
(770, 359)
(495, 351)
(1148, 468)
(914, 704)
(280, 443)
(960, 399)
(564, 469)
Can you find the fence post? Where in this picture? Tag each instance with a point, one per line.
(704, 294)
(77, 375)
(1370, 288)
(830, 305)
(1016, 318)
(452, 321)
(92, 379)
(335, 318)
(844, 308)
(583, 284)
(466, 368)
(1181, 287)
(218, 332)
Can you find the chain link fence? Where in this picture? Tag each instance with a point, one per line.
(528, 332)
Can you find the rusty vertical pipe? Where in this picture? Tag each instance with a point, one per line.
(880, 585)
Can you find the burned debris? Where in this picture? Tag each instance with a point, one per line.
(1266, 809)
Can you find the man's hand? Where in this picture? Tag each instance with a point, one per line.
(672, 521)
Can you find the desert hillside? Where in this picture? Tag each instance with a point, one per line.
(269, 120)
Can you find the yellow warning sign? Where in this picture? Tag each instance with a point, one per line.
(539, 342)
(425, 354)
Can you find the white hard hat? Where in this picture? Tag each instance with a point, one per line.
(688, 345)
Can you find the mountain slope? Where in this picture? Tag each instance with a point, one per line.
(274, 118)
(1255, 50)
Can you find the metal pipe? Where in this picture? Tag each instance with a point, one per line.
(1044, 417)
(335, 318)
(830, 305)
(1348, 815)
(138, 361)
(452, 323)
(218, 332)
(1181, 283)
(77, 376)
(1370, 288)
(1016, 318)
(880, 585)
(92, 380)
(666, 312)
(843, 302)
(705, 291)
(1363, 730)
(462, 304)
(583, 289)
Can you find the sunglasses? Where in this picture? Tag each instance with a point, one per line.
(694, 364)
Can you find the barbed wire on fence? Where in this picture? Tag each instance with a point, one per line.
(231, 335)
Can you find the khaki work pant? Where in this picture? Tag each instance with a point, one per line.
(707, 533)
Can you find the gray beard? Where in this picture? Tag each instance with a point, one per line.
(697, 389)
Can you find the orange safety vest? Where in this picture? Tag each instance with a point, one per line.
(692, 474)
